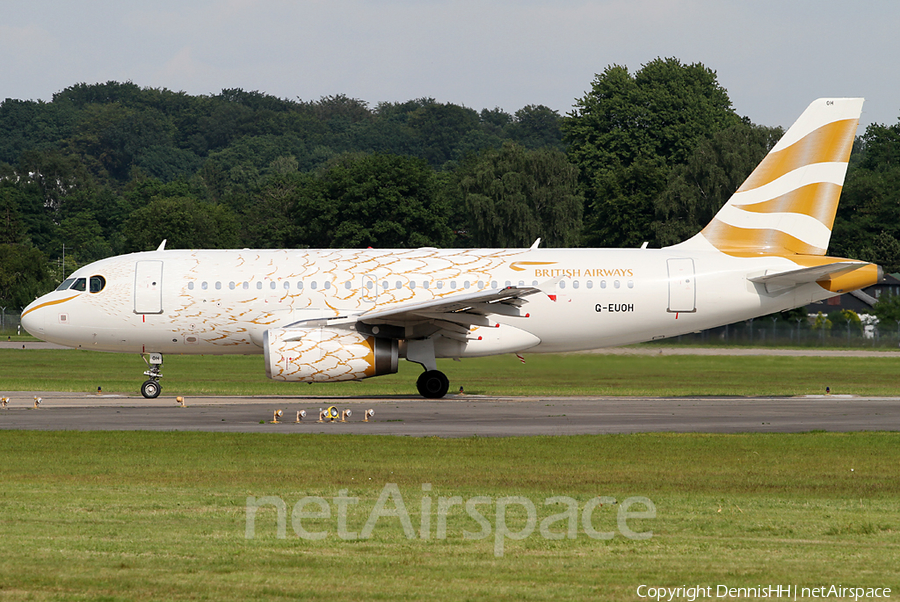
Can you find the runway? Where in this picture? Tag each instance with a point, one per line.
(456, 415)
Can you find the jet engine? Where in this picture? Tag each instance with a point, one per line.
(327, 355)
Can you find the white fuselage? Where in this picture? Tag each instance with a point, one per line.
(222, 302)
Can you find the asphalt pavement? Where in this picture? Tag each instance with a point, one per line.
(456, 415)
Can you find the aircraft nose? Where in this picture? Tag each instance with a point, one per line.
(32, 319)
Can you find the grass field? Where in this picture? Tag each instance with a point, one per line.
(162, 516)
(573, 374)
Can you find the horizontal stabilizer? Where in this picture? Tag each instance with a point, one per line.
(791, 278)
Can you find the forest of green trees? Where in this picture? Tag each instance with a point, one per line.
(648, 155)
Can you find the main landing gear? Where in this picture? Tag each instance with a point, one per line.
(151, 387)
(433, 384)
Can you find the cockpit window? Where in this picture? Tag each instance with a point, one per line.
(65, 284)
(97, 283)
(80, 285)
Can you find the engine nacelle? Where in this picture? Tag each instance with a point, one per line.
(327, 355)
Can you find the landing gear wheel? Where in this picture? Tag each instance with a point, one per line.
(433, 384)
(151, 389)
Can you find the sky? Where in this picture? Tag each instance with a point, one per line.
(772, 56)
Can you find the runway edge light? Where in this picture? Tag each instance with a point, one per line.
(345, 415)
(301, 414)
(369, 414)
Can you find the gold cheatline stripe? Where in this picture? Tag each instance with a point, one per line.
(47, 304)
(830, 143)
(818, 200)
(733, 240)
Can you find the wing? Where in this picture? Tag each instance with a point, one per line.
(453, 313)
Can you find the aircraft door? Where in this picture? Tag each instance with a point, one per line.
(682, 290)
(148, 287)
(368, 291)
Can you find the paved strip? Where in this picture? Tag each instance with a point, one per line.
(457, 416)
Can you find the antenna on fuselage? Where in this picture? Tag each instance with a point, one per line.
(535, 245)
(162, 246)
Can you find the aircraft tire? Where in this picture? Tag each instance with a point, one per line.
(433, 384)
(151, 389)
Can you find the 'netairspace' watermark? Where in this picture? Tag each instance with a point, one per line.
(390, 504)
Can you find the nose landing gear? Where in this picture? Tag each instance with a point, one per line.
(151, 387)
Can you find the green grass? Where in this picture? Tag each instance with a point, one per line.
(572, 374)
(161, 516)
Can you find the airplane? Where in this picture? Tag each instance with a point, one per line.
(329, 315)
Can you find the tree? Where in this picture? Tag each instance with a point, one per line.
(867, 223)
(439, 128)
(632, 130)
(514, 195)
(184, 222)
(12, 229)
(887, 310)
(371, 200)
(23, 274)
(698, 188)
(537, 126)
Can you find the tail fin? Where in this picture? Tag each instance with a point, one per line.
(787, 205)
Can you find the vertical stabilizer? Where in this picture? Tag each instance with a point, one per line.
(787, 205)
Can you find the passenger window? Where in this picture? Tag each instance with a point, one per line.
(562, 284)
(425, 285)
(287, 285)
(347, 285)
(313, 285)
(575, 284)
(191, 285)
(440, 284)
(80, 285)
(259, 285)
(412, 284)
(218, 286)
(327, 285)
(631, 284)
(272, 285)
(65, 284)
(245, 286)
(299, 285)
(98, 282)
(231, 285)
(590, 284)
(204, 285)
(453, 284)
